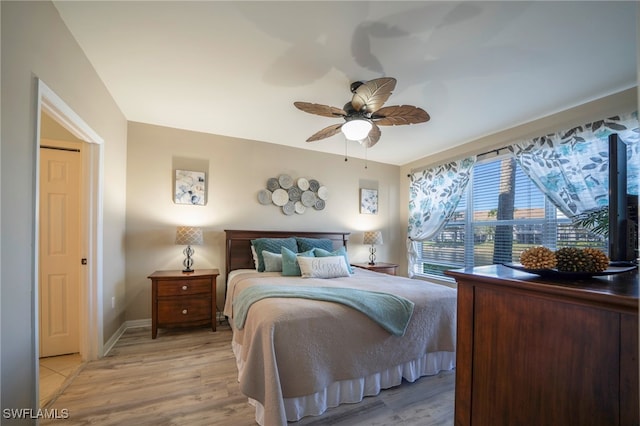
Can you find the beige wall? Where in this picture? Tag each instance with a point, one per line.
(37, 44)
(51, 129)
(236, 170)
(625, 101)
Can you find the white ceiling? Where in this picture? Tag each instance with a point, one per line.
(235, 68)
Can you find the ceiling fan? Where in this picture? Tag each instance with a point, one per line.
(364, 113)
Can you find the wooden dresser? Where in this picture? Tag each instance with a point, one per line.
(535, 352)
(183, 299)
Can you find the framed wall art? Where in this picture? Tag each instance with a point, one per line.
(368, 201)
(190, 188)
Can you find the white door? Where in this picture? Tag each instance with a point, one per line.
(59, 251)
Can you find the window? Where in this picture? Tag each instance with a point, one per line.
(501, 213)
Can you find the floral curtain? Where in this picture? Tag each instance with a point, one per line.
(571, 167)
(433, 197)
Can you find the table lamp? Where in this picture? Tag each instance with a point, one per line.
(189, 236)
(373, 238)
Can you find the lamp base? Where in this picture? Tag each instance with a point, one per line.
(188, 261)
(372, 255)
(188, 270)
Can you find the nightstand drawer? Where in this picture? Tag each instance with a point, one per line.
(183, 287)
(184, 310)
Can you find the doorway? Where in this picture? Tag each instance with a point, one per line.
(60, 253)
(88, 309)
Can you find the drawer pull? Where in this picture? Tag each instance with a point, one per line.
(184, 287)
(184, 312)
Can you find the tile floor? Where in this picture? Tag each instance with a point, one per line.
(54, 371)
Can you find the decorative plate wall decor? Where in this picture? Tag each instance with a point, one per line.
(280, 197)
(294, 196)
(265, 196)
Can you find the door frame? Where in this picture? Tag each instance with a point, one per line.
(91, 211)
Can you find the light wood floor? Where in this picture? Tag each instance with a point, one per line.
(189, 377)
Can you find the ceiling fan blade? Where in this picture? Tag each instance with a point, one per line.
(400, 114)
(371, 95)
(372, 138)
(318, 109)
(326, 132)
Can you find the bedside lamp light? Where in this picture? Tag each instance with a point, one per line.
(189, 236)
(374, 238)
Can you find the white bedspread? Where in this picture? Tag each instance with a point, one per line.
(296, 357)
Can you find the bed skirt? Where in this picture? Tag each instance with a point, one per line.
(352, 391)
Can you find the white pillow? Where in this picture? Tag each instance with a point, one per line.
(255, 256)
(323, 267)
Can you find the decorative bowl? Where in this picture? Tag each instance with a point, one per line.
(554, 273)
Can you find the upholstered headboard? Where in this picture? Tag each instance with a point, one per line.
(238, 244)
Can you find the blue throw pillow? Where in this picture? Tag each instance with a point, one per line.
(273, 245)
(306, 244)
(272, 261)
(290, 266)
(318, 252)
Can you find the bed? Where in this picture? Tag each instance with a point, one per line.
(298, 356)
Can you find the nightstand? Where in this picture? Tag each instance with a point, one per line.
(180, 299)
(385, 268)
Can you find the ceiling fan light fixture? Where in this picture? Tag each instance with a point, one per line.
(356, 129)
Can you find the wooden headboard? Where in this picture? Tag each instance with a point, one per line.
(238, 244)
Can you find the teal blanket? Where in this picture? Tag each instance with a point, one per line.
(391, 312)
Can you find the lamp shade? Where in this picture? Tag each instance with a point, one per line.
(189, 236)
(356, 129)
(372, 237)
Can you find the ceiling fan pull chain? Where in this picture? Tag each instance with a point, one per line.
(366, 158)
(345, 150)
